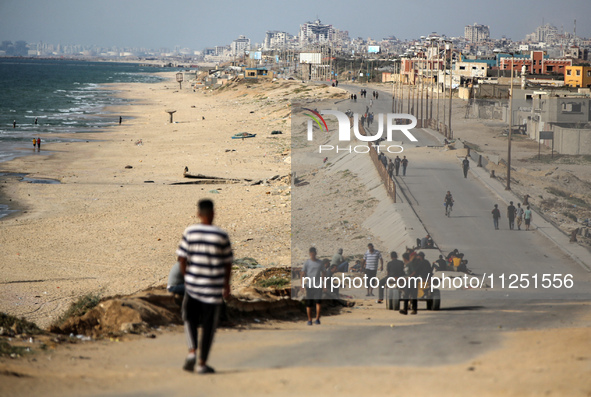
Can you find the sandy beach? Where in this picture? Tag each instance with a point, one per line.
(113, 223)
(113, 230)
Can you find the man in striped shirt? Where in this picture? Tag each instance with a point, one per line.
(370, 264)
(205, 257)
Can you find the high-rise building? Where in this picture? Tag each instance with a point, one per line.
(240, 45)
(275, 39)
(476, 33)
(316, 32)
(546, 32)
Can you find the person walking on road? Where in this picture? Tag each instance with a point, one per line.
(410, 292)
(390, 168)
(404, 165)
(370, 264)
(448, 203)
(496, 216)
(511, 215)
(314, 271)
(205, 257)
(466, 166)
(394, 269)
(397, 164)
(519, 215)
(527, 215)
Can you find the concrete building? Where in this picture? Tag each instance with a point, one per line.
(537, 62)
(476, 33)
(568, 116)
(577, 76)
(316, 32)
(543, 34)
(275, 39)
(471, 69)
(240, 45)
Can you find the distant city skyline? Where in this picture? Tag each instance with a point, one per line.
(197, 25)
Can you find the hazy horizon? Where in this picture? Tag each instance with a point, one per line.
(157, 24)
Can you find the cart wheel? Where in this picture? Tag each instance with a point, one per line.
(436, 300)
(395, 299)
(396, 304)
(392, 299)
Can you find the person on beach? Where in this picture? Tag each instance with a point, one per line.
(120, 120)
(176, 280)
(370, 264)
(496, 216)
(339, 261)
(205, 257)
(466, 166)
(38, 143)
(527, 216)
(519, 215)
(34, 143)
(35, 120)
(511, 215)
(313, 269)
(14, 124)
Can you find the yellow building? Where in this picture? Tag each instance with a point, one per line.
(577, 76)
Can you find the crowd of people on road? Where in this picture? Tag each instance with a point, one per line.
(413, 264)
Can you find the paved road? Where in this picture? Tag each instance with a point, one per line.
(471, 321)
(470, 227)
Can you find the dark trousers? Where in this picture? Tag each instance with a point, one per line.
(397, 168)
(465, 172)
(195, 314)
(511, 223)
(410, 294)
(343, 267)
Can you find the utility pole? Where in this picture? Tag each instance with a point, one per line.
(443, 85)
(422, 85)
(451, 56)
(438, 82)
(508, 187)
(431, 83)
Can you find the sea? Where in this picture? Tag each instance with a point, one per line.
(66, 97)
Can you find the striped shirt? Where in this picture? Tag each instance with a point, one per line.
(207, 250)
(372, 259)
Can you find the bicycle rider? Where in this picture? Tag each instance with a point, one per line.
(449, 202)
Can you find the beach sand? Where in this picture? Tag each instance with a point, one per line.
(104, 229)
(114, 230)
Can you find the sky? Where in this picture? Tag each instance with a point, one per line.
(197, 24)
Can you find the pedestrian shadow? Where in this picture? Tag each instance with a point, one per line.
(461, 308)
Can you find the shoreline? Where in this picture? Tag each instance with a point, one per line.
(105, 229)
